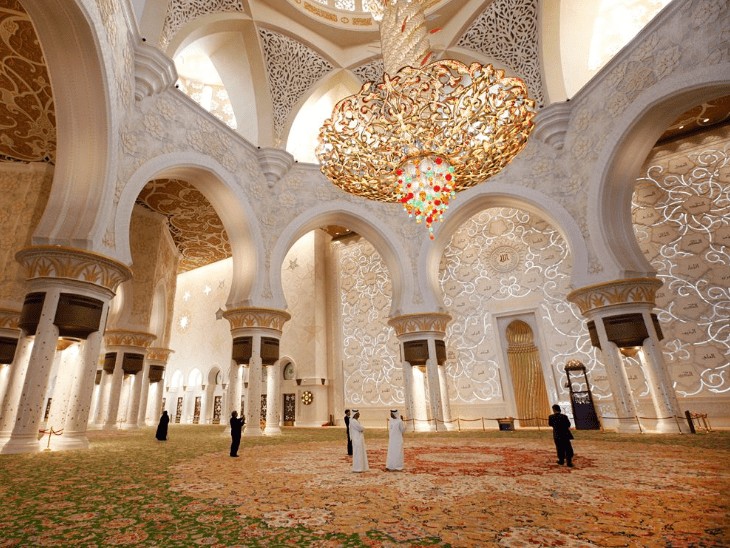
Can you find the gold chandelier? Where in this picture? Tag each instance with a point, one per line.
(429, 130)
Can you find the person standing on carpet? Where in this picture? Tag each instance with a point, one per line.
(347, 429)
(562, 436)
(396, 427)
(359, 453)
(236, 425)
(161, 433)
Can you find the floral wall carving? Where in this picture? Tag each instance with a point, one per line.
(180, 12)
(681, 212)
(24, 191)
(498, 257)
(292, 68)
(508, 31)
(370, 352)
(194, 225)
(27, 114)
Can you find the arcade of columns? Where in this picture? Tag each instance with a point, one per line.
(64, 317)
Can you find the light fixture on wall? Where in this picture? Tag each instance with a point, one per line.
(426, 131)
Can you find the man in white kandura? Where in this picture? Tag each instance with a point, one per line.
(395, 441)
(359, 453)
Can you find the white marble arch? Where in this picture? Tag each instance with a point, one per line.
(360, 220)
(82, 79)
(624, 152)
(488, 195)
(225, 194)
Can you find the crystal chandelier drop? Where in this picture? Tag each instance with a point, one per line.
(428, 130)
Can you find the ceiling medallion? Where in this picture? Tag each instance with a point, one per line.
(428, 131)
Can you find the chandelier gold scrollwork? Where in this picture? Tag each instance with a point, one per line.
(425, 133)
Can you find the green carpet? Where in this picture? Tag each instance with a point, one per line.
(458, 489)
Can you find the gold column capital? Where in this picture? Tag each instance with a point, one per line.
(158, 354)
(76, 265)
(266, 318)
(9, 319)
(136, 339)
(616, 293)
(429, 322)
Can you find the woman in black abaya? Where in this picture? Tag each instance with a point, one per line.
(162, 427)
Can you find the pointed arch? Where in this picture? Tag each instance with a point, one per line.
(625, 151)
(225, 195)
(360, 220)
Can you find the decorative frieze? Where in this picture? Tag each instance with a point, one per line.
(73, 264)
(9, 318)
(610, 294)
(268, 318)
(158, 354)
(434, 322)
(137, 339)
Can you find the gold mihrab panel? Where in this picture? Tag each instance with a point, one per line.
(194, 225)
(27, 115)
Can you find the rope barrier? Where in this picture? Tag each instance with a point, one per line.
(50, 432)
(510, 420)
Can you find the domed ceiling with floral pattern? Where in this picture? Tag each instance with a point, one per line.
(28, 121)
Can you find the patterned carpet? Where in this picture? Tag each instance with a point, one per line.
(458, 489)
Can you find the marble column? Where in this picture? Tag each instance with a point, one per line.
(133, 344)
(24, 437)
(273, 399)
(135, 394)
(115, 393)
(67, 354)
(425, 329)
(101, 401)
(233, 396)
(408, 395)
(627, 300)
(253, 397)
(661, 387)
(254, 324)
(145, 389)
(16, 378)
(87, 281)
(79, 407)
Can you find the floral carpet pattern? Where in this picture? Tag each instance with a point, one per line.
(458, 489)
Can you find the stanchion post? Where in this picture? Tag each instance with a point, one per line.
(690, 421)
(639, 423)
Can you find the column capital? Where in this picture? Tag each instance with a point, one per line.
(9, 320)
(135, 339)
(429, 322)
(261, 318)
(74, 265)
(608, 295)
(159, 355)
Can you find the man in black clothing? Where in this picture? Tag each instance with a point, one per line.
(562, 436)
(236, 425)
(347, 429)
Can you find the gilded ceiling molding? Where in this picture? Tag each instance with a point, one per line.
(611, 294)
(160, 355)
(420, 323)
(9, 319)
(180, 12)
(135, 339)
(268, 318)
(507, 31)
(292, 69)
(72, 264)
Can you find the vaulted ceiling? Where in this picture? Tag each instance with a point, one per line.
(28, 132)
